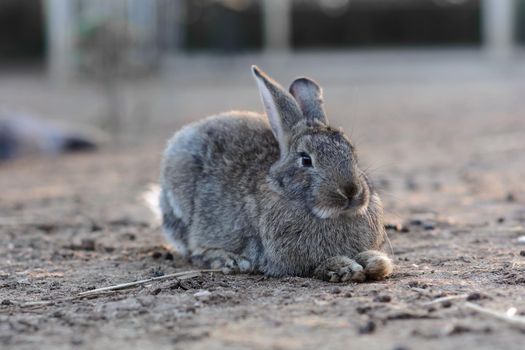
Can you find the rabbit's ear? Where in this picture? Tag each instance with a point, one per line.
(309, 96)
(281, 108)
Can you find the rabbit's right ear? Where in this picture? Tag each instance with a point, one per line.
(281, 108)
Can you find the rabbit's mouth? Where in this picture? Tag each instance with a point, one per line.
(337, 203)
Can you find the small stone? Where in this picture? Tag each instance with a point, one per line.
(202, 295)
(77, 341)
(348, 295)
(7, 302)
(501, 220)
(156, 255)
(400, 347)
(88, 244)
(446, 304)
(367, 328)
(416, 222)
(383, 298)
(130, 236)
(458, 329)
(57, 314)
(96, 227)
(429, 226)
(168, 256)
(174, 285)
(335, 290)
(411, 185)
(156, 291)
(362, 309)
(522, 253)
(474, 296)
(511, 198)
(397, 228)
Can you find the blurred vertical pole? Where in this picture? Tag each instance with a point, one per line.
(170, 25)
(60, 28)
(277, 24)
(498, 27)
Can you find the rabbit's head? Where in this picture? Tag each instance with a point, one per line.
(317, 164)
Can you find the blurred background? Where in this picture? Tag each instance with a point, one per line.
(427, 88)
(134, 67)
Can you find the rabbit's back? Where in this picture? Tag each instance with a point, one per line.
(211, 174)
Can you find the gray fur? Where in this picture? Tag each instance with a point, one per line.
(236, 195)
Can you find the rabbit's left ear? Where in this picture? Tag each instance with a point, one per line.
(281, 108)
(309, 96)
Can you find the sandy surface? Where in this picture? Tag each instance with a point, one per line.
(443, 136)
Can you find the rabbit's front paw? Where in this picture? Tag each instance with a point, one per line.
(377, 264)
(340, 269)
(228, 262)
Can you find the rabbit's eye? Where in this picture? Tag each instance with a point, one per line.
(306, 160)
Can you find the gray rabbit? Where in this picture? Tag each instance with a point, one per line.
(283, 198)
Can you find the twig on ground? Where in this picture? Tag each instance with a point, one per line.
(178, 275)
(516, 321)
(108, 290)
(449, 298)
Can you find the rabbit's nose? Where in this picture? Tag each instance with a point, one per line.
(350, 190)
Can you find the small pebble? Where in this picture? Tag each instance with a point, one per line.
(367, 328)
(411, 185)
(7, 302)
(522, 253)
(88, 244)
(168, 256)
(446, 304)
(458, 329)
(510, 197)
(130, 236)
(203, 295)
(77, 341)
(428, 226)
(348, 295)
(397, 228)
(335, 290)
(95, 227)
(156, 255)
(362, 309)
(474, 296)
(383, 298)
(57, 314)
(501, 220)
(416, 222)
(156, 291)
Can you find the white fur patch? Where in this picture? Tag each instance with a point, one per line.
(325, 213)
(151, 198)
(177, 211)
(177, 245)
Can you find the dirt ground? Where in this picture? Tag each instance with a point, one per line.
(443, 137)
